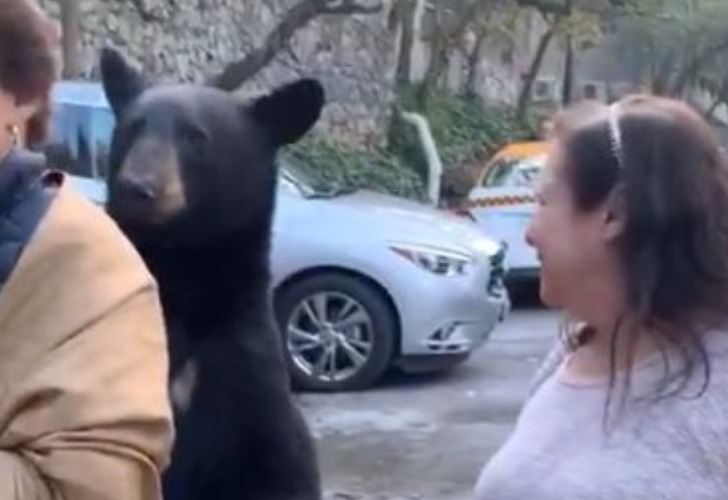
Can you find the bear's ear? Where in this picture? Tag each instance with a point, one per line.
(290, 111)
(122, 83)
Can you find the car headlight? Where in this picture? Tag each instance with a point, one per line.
(441, 261)
(486, 246)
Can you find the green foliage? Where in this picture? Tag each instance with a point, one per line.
(465, 128)
(466, 131)
(675, 43)
(337, 165)
(581, 26)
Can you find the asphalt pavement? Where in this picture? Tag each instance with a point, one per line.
(427, 436)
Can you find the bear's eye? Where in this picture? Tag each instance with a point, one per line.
(193, 135)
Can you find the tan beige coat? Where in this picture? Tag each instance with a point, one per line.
(84, 413)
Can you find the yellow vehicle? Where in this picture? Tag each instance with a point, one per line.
(512, 152)
(502, 202)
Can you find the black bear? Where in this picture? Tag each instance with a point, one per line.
(192, 179)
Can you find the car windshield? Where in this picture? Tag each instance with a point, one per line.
(304, 182)
(309, 184)
(514, 172)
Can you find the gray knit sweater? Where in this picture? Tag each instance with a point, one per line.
(669, 449)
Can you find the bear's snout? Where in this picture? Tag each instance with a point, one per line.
(131, 186)
(148, 188)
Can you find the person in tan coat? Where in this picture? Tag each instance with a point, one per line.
(84, 409)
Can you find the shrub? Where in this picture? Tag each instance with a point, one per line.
(465, 128)
(466, 131)
(339, 165)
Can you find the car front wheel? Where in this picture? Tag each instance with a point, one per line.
(338, 332)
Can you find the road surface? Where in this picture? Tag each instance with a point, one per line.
(427, 437)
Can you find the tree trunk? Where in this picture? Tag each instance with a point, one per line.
(237, 73)
(567, 88)
(442, 42)
(524, 98)
(689, 71)
(661, 76)
(438, 62)
(297, 17)
(473, 62)
(71, 38)
(405, 17)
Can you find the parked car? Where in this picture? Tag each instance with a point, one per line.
(361, 281)
(502, 203)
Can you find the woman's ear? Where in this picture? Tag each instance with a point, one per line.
(17, 120)
(614, 215)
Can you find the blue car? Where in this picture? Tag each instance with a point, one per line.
(81, 126)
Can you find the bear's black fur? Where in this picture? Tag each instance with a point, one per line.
(192, 184)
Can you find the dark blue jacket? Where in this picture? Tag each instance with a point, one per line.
(24, 201)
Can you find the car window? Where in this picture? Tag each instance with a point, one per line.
(103, 128)
(70, 133)
(509, 172)
(79, 139)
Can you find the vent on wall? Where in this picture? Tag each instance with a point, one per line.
(592, 90)
(545, 90)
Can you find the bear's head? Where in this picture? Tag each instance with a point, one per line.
(190, 163)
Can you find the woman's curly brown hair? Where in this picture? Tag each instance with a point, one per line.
(27, 61)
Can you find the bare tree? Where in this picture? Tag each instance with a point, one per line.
(453, 19)
(570, 20)
(450, 25)
(567, 87)
(474, 59)
(675, 42)
(529, 79)
(499, 22)
(71, 38)
(296, 18)
(404, 15)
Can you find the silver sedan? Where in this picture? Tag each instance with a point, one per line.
(364, 281)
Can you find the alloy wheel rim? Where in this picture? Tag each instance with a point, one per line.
(330, 336)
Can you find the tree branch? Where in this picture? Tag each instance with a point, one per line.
(444, 39)
(348, 7)
(689, 71)
(296, 18)
(71, 38)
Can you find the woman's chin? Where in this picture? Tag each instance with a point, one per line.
(547, 294)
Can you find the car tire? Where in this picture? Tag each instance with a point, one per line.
(377, 328)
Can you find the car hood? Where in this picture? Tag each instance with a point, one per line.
(400, 219)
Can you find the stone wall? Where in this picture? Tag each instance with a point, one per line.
(354, 56)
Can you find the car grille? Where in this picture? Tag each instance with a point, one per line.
(497, 269)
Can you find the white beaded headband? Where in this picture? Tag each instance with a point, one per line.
(615, 135)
